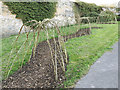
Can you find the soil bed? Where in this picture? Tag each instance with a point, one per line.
(107, 23)
(39, 73)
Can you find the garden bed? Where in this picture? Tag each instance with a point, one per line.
(39, 71)
(107, 23)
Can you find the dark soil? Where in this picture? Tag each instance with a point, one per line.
(107, 23)
(81, 32)
(38, 73)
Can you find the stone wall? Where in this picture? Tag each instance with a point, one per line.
(10, 25)
(65, 14)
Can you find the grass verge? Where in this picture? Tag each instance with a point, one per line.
(84, 51)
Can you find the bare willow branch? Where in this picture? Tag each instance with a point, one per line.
(26, 51)
(15, 58)
(13, 44)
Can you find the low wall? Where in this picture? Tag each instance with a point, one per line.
(9, 24)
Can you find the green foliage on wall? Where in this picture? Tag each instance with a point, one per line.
(93, 11)
(32, 10)
(118, 16)
(83, 9)
(106, 16)
(87, 9)
(118, 9)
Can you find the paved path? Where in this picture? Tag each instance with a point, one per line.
(103, 73)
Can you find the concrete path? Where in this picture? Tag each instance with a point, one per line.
(103, 73)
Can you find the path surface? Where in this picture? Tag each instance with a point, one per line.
(103, 73)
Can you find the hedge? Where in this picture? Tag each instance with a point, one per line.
(107, 16)
(83, 9)
(32, 10)
(87, 9)
(118, 18)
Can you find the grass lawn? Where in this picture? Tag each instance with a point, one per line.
(84, 51)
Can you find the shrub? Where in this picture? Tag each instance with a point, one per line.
(93, 14)
(87, 9)
(83, 9)
(106, 16)
(118, 18)
(32, 10)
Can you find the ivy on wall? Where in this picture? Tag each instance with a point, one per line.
(32, 10)
(87, 9)
(118, 11)
(83, 9)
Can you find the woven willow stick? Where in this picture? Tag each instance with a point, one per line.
(15, 58)
(26, 51)
(89, 25)
(35, 39)
(61, 54)
(34, 43)
(63, 42)
(116, 19)
(32, 49)
(50, 46)
(18, 53)
(27, 48)
(57, 47)
(61, 63)
(54, 63)
(24, 44)
(59, 40)
(56, 74)
(13, 44)
(65, 52)
(10, 56)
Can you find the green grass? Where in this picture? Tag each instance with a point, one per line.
(119, 29)
(7, 47)
(84, 51)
